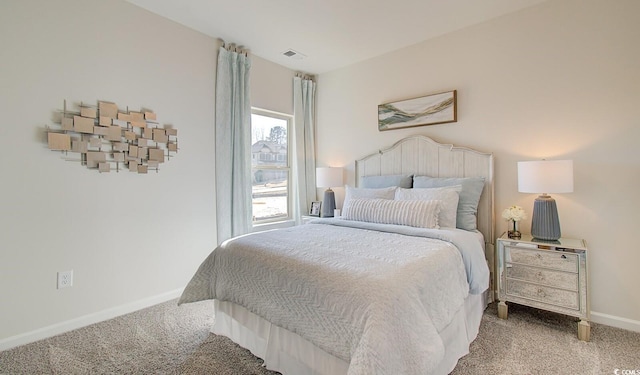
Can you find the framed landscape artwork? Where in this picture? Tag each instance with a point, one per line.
(427, 110)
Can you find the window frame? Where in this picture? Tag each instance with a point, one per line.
(288, 168)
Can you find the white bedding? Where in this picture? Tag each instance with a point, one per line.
(290, 354)
(359, 291)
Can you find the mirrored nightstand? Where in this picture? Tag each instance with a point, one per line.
(549, 275)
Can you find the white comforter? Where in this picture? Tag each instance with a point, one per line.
(374, 298)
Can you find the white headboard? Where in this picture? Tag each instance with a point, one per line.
(420, 155)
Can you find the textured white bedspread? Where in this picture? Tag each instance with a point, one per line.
(374, 298)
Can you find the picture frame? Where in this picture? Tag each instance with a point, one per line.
(432, 109)
(315, 209)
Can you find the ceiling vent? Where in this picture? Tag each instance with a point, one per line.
(293, 54)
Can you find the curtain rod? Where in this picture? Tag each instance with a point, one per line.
(232, 47)
(305, 76)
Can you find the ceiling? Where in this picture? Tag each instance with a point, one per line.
(330, 33)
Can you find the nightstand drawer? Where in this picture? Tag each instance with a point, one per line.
(557, 279)
(561, 298)
(558, 260)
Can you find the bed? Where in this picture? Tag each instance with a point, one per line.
(384, 289)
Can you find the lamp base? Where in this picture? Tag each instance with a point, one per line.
(328, 203)
(545, 224)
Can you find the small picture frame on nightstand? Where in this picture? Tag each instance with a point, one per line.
(315, 209)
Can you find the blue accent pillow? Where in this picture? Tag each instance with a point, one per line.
(377, 182)
(469, 196)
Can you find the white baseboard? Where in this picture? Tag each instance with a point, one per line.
(615, 321)
(83, 321)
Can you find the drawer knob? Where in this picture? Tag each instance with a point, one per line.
(539, 256)
(564, 256)
(541, 293)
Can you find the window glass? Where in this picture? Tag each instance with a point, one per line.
(270, 173)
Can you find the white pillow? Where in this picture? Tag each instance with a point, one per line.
(351, 193)
(448, 196)
(418, 213)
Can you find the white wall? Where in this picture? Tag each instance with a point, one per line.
(271, 86)
(131, 239)
(559, 80)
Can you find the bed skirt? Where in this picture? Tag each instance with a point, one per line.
(289, 353)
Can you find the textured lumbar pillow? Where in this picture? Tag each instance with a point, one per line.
(415, 213)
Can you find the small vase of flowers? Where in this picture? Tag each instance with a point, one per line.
(513, 215)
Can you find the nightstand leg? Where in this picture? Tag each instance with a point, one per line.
(584, 330)
(503, 310)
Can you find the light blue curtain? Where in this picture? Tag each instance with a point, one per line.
(233, 138)
(304, 160)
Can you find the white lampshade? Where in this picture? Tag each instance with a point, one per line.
(545, 176)
(328, 177)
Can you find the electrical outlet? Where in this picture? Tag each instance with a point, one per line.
(65, 279)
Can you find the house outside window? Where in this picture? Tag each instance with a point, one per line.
(270, 166)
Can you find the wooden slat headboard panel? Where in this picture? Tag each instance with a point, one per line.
(420, 156)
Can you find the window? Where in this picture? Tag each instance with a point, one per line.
(270, 170)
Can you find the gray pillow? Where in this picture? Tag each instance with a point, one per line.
(377, 182)
(466, 217)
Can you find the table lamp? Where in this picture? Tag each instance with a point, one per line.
(328, 177)
(542, 177)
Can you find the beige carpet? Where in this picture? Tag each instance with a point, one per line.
(166, 339)
(532, 342)
(163, 339)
